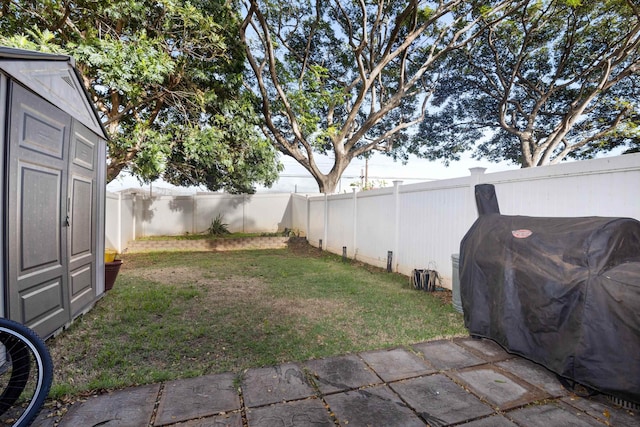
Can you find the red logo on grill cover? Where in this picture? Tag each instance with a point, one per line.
(521, 234)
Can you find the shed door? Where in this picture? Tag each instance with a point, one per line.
(37, 205)
(82, 213)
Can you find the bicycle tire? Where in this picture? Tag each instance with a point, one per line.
(26, 373)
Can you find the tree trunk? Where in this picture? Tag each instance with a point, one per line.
(327, 184)
(113, 170)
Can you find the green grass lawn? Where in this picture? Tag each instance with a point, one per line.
(183, 314)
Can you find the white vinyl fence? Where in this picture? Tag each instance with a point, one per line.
(131, 216)
(420, 225)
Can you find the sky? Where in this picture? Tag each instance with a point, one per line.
(382, 171)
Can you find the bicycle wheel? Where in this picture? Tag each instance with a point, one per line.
(26, 372)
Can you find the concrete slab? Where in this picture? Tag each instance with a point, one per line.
(601, 409)
(444, 355)
(126, 408)
(46, 418)
(230, 420)
(492, 421)
(551, 415)
(485, 348)
(440, 401)
(301, 413)
(396, 364)
(263, 386)
(374, 406)
(535, 374)
(500, 389)
(341, 373)
(196, 398)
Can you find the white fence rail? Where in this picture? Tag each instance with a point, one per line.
(420, 224)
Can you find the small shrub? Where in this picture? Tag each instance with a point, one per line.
(217, 227)
(288, 232)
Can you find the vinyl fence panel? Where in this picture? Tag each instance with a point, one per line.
(375, 226)
(433, 220)
(267, 213)
(340, 224)
(164, 215)
(119, 223)
(112, 222)
(316, 221)
(600, 187)
(299, 214)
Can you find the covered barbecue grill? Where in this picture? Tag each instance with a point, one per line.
(562, 292)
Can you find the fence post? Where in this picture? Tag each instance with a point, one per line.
(119, 226)
(134, 211)
(194, 217)
(396, 222)
(325, 232)
(307, 225)
(244, 213)
(355, 223)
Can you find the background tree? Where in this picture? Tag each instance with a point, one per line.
(347, 78)
(558, 79)
(166, 77)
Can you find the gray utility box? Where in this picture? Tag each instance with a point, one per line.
(455, 283)
(53, 161)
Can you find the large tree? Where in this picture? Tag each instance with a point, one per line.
(348, 77)
(558, 79)
(166, 77)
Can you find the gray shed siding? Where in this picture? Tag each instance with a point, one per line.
(53, 173)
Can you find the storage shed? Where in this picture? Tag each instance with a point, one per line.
(52, 171)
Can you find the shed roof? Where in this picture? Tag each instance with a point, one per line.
(55, 78)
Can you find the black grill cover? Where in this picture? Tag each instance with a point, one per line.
(562, 292)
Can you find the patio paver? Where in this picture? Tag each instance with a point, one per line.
(439, 400)
(599, 408)
(196, 398)
(231, 420)
(341, 373)
(445, 355)
(302, 413)
(124, 408)
(487, 349)
(373, 406)
(396, 364)
(262, 386)
(492, 421)
(534, 374)
(500, 389)
(551, 415)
